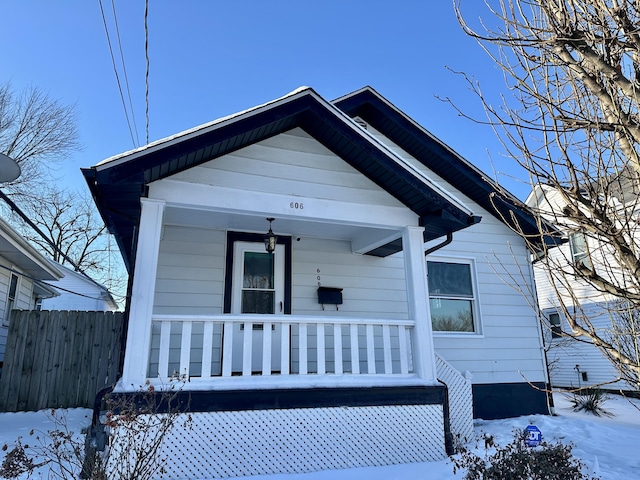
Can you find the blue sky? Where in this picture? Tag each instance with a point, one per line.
(213, 58)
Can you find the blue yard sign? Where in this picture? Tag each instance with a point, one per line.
(534, 436)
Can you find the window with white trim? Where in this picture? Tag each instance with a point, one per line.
(452, 296)
(579, 250)
(11, 299)
(554, 322)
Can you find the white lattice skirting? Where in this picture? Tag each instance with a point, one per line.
(258, 442)
(460, 400)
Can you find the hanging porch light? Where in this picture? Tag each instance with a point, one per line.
(270, 239)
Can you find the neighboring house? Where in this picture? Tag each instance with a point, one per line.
(77, 291)
(573, 363)
(332, 346)
(23, 273)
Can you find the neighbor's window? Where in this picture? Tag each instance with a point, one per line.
(554, 321)
(451, 296)
(579, 251)
(11, 298)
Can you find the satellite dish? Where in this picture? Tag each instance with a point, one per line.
(9, 169)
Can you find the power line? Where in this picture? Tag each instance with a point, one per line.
(56, 287)
(115, 70)
(146, 54)
(14, 208)
(124, 67)
(25, 217)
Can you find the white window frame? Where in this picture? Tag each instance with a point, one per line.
(556, 328)
(580, 256)
(475, 300)
(239, 249)
(11, 301)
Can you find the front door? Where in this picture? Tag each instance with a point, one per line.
(258, 289)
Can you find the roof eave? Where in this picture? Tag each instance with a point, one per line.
(127, 175)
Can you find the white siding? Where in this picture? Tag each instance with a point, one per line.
(509, 347)
(293, 163)
(547, 295)
(76, 293)
(190, 278)
(24, 296)
(4, 287)
(373, 287)
(23, 301)
(564, 354)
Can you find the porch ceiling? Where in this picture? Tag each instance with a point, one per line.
(295, 227)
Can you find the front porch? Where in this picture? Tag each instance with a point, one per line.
(299, 386)
(298, 394)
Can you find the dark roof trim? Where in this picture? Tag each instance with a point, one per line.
(376, 110)
(118, 183)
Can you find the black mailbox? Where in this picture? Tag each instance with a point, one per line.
(329, 296)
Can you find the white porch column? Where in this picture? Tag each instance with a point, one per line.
(418, 300)
(139, 333)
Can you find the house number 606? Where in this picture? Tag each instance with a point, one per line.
(296, 205)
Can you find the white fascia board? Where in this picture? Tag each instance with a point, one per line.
(44, 290)
(31, 256)
(196, 131)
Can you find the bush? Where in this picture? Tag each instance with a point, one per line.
(134, 429)
(590, 400)
(517, 461)
(60, 449)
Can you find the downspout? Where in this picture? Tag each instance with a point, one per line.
(545, 358)
(446, 242)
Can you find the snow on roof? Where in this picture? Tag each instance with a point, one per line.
(201, 128)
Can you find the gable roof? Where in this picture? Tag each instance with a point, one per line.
(385, 117)
(118, 182)
(71, 278)
(24, 256)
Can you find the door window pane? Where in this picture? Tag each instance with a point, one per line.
(258, 270)
(258, 293)
(256, 301)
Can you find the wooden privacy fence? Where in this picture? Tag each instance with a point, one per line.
(59, 359)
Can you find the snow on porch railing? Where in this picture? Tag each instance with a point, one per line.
(226, 346)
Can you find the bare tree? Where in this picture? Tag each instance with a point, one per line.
(571, 120)
(37, 131)
(66, 227)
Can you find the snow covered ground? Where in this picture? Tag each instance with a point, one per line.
(607, 446)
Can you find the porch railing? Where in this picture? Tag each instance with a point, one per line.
(226, 346)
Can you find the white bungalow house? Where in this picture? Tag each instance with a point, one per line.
(575, 363)
(23, 273)
(360, 335)
(76, 291)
